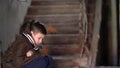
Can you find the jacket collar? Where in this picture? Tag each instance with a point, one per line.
(32, 41)
(29, 38)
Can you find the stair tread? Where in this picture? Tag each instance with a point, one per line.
(66, 57)
(63, 57)
(54, 6)
(54, 18)
(64, 49)
(61, 45)
(53, 10)
(61, 39)
(63, 35)
(60, 21)
(60, 2)
(49, 15)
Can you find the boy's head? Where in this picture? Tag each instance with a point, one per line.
(36, 29)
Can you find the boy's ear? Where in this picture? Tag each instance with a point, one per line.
(32, 32)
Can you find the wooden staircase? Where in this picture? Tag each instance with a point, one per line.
(62, 19)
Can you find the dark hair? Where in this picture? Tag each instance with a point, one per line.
(33, 25)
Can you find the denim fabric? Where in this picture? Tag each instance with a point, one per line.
(40, 62)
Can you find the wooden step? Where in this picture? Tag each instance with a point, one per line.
(70, 62)
(59, 23)
(62, 64)
(59, 0)
(56, 2)
(44, 10)
(64, 49)
(61, 57)
(62, 39)
(62, 61)
(63, 29)
(54, 17)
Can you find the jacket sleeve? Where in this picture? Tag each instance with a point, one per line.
(20, 54)
(21, 57)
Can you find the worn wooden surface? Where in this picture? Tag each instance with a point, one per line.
(95, 35)
(63, 20)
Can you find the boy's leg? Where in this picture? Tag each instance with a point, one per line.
(40, 62)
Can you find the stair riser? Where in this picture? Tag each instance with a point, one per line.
(60, 0)
(37, 3)
(53, 10)
(61, 40)
(54, 18)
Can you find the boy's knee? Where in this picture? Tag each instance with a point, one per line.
(49, 58)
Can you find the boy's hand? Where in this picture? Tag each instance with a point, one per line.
(29, 53)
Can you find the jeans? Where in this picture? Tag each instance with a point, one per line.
(40, 62)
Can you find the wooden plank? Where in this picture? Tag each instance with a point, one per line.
(54, 18)
(53, 21)
(61, 39)
(63, 29)
(95, 36)
(62, 58)
(60, 2)
(53, 10)
(46, 6)
(58, 23)
(69, 62)
(62, 63)
(64, 49)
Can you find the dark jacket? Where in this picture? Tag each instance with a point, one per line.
(15, 56)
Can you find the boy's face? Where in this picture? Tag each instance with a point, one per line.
(38, 37)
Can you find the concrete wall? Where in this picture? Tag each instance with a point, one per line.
(12, 13)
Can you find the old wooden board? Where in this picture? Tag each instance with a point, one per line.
(95, 35)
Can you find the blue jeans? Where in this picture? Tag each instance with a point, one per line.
(40, 62)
